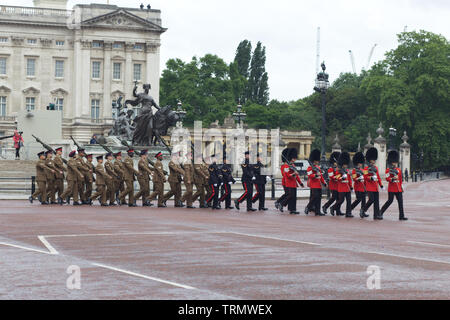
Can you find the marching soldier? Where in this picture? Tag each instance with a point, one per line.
(144, 179)
(84, 171)
(333, 183)
(291, 181)
(206, 185)
(372, 181)
(215, 178)
(159, 179)
(51, 177)
(395, 189)
(260, 185)
(89, 178)
(73, 176)
(111, 175)
(359, 184)
(100, 182)
(284, 158)
(41, 179)
(345, 186)
(199, 180)
(60, 169)
(228, 180)
(188, 181)
(119, 178)
(315, 181)
(247, 179)
(175, 178)
(129, 177)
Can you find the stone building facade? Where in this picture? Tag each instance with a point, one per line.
(80, 60)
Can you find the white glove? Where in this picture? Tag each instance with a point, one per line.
(268, 178)
(230, 182)
(215, 185)
(374, 179)
(253, 178)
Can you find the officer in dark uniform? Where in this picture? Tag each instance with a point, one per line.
(248, 178)
(260, 185)
(227, 180)
(215, 179)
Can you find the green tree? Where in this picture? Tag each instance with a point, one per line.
(258, 87)
(243, 58)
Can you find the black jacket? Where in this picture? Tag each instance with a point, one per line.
(260, 179)
(247, 171)
(215, 175)
(227, 173)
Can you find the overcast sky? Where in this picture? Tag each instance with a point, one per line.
(288, 29)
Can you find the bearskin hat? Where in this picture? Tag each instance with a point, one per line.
(358, 158)
(314, 156)
(334, 157)
(393, 156)
(344, 159)
(293, 154)
(372, 154)
(285, 154)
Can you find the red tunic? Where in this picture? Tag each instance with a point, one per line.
(372, 181)
(290, 178)
(344, 180)
(313, 181)
(333, 184)
(358, 181)
(395, 185)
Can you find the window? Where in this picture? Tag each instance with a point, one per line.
(95, 69)
(95, 109)
(96, 44)
(2, 65)
(30, 103)
(59, 42)
(138, 46)
(116, 70)
(117, 46)
(59, 104)
(59, 69)
(31, 41)
(137, 72)
(2, 106)
(31, 67)
(3, 39)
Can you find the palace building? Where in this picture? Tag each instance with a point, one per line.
(79, 60)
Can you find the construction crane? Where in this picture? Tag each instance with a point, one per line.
(318, 51)
(352, 60)
(370, 56)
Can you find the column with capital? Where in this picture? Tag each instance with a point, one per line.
(77, 78)
(107, 107)
(85, 78)
(128, 74)
(152, 67)
(405, 154)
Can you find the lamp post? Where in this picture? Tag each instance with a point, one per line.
(180, 113)
(322, 86)
(392, 134)
(239, 116)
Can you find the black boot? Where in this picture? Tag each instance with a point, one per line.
(236, 204)
(30, 199)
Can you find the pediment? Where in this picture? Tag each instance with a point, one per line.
(59, 91)
(117, 93)
(5, 89)
(31, 90)
(122, 19)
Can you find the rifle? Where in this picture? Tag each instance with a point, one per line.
(360, 173)
(76, 143)
(46, 146)
(317, 171)
(107, 149)
(394, 175)
(126, 144)
(293, 168)
(6, 137)
(373, 172)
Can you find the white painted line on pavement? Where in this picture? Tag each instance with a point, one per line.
(407, 257)
(120, 234)
(48, 245)
(430, 244)
(24, 248)
(145, 277)
(271, 238)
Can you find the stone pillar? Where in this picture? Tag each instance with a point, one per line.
(107, 107)
(128, 68)
(85, 68)
(405, 154)
(77, 81)
(152, 67)
(308, 150)
(336, 147)
(369, 144)
(380, 145)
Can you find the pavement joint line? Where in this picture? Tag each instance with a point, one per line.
(271, 238)
(145, 277)
(122, 234)
(49, 247)
(407, 257)
(430, 244)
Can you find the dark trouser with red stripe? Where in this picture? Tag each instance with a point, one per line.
(343, 196)
(260, 195)
(399, 196)
(227, 195)
(291, 199)
(314, 200)
(281, 199)
(214, 197)
(374, 198)
(334, 197)
(360, 198)
(248, 191)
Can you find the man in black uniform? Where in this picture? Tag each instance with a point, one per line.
(227, 181)
(260, 185)
(247, 179)
(215, 177)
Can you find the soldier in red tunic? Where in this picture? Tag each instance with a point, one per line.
(291, 181)
(395, 189)
(344, 181)
(358, 183)
(315, 181)
(372, 180)
(284, 158)
(332, 184)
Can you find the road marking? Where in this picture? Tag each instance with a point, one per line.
(430, 244)
(406, 257)
(271, 238)
(24, 248)
(48, 245)
(145, 277)
(119, 234)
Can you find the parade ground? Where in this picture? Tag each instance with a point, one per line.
(149, 253)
